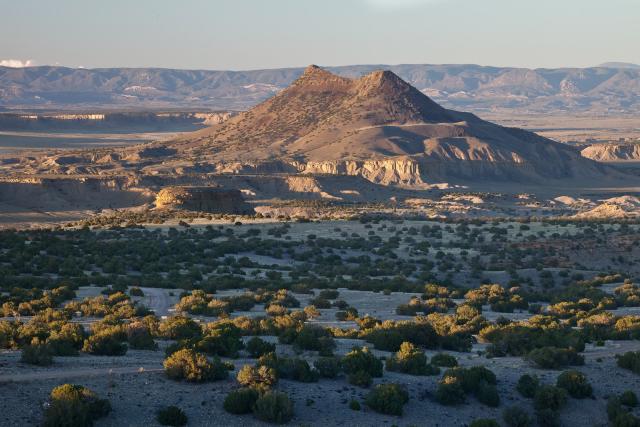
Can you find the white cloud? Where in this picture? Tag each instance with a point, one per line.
(395, 4)
(17, 63)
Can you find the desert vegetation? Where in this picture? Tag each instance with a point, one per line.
(271, 313)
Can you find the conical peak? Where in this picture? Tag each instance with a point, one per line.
(383, 75)
(314, 76)
(312, 69)
(382, 80)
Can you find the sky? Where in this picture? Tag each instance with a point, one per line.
(257, 34)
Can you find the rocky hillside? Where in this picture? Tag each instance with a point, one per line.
(381, 128)
(610, 88)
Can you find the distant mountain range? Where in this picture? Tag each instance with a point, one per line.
(611, 88)
(376, 127)
(622, 65)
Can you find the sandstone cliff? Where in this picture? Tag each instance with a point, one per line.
(205, 199)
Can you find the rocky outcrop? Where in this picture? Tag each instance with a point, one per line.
(385, 172)
(613, 152)
(204, 199)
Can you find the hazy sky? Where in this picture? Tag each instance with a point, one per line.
(248, 34)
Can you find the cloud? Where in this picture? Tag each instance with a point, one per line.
(17, 63)
(396, 4)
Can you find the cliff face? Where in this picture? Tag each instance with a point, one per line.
(61, 194)
(613, 152)
(204, 199)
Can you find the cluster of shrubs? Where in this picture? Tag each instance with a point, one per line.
(30, 302)
(431, 305)
(201, 303)
(411, 360)
(270, 405)
(520, 338)
(629, 360)
(291, 368)
(171, 416)
(628, 294)
(436, 330)
(256, 395)
(387, 399)
(457, 383)
(500, 299)
(74, 405)
(361, 366)
(619, 410)
(548, 400)
(555, 358)
(189, 365)
(117, 305)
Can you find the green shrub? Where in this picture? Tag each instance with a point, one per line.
(66, 341)
(410, 360)
(74, 406)
(471, 378)
(179, 328)
(139, 337)
(354, 405)
(614, 408)
(444, 360)
(626, 419)
(257, 347)
(241, 401)
(189, 365)
(555, 358)
(274, 407)
(488, 394)
(629, 360)
(171, 416)
(328, 367)
(329, 294)
(361, 359)
(261, 378)
(390, 335)
(296, 369)
(484, 422)
(387, 399)
(575, 383)
(315, 338)
(450, 391)
(360, 379)
(105, 343)
(618, 410)
(515, 416)
(549, 397)
(528, 385)
(37, 354)
(221, 339)
(548, 418)
(629, 398)
(136, 292)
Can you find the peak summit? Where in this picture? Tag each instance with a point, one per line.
(383, 80)
(317, 76)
